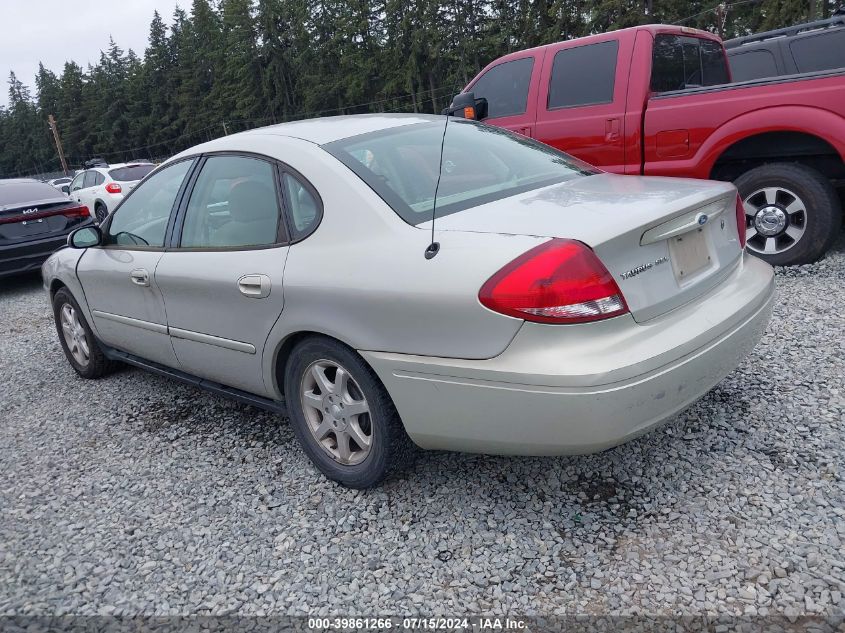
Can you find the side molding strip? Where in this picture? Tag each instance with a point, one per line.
(198, 337)
(188, 335)
(144, 325)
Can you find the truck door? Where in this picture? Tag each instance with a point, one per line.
(510, 87)
(581, 101)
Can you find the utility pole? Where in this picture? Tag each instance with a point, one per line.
(225, 131)
(52, 121)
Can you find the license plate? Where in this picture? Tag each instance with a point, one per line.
(690, 254)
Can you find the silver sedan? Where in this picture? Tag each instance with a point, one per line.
(392, 281)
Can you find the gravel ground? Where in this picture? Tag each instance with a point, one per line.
(137, 495)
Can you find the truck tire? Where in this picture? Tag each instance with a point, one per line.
(793, 213)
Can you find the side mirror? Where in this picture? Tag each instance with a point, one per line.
(85, 237)
(66, 189)
(466, 106)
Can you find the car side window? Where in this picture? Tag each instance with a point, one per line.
(584, 75)
(99, 179)
(753, 64)
(76, 184)
(234, 203)
(90, 177)
(142, 218)
(505, 87)
(819, 51)
(303, 206)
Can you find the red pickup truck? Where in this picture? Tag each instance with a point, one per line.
(658, 100)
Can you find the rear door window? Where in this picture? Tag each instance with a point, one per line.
(583, 75)
(234, 204)
(686, 62)
(505, 87)
(90, 179)
(821, 51)
(753, 65)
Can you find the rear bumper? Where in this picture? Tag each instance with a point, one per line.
(581, 389)
(27, 256)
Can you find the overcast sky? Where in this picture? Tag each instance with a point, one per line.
(56, 31)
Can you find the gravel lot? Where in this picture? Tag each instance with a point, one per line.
(134, 494)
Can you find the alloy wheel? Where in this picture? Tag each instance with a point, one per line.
(336, 412)
(775, 220)
(74, 334)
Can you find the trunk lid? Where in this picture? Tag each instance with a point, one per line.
(664, 240)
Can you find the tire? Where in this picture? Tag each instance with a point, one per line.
(94, 364)
(390, 449)
(806, 235)
(100, 212)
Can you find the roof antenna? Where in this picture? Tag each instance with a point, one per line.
(466, 106)
(434, 247)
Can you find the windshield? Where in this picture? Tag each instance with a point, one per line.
(132, 172)
(480, 164)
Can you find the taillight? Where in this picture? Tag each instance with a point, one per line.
(113, 187)
(76, 212)
(741, 225)
(69, 212)
(560, 281)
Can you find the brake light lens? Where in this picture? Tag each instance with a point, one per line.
(69, 212)
(560, 281)
(113, 187)
(741, 226)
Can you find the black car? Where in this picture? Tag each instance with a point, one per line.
(35, 220)
(804, 48)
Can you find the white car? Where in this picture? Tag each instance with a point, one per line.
(62, 184)
(102, 188)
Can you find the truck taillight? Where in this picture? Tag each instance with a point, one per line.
(113, 187)
(741, 226)
(560, 281)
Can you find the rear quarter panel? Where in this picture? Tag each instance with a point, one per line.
(686, 133)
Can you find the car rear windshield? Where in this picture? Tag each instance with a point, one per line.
(13, 194)
(481, 164)
(133, 172)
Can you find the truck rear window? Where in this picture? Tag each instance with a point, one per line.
(687, 62)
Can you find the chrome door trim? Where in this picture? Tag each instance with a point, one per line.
(225, 343)
(158, 328)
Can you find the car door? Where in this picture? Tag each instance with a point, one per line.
(76, 186)
(86, 194)
(221, 279)
(581, 105)
(118, 278)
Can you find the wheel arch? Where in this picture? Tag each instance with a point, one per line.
(282, 351)
(780, 146)
(788, 119)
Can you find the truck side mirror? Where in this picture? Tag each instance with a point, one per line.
(466, 106)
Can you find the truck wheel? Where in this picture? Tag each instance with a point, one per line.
(792, 213)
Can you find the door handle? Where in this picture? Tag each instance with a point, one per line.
(611, 130)
(140, 277)
(254, 286)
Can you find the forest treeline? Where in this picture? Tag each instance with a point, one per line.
(223, 66)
